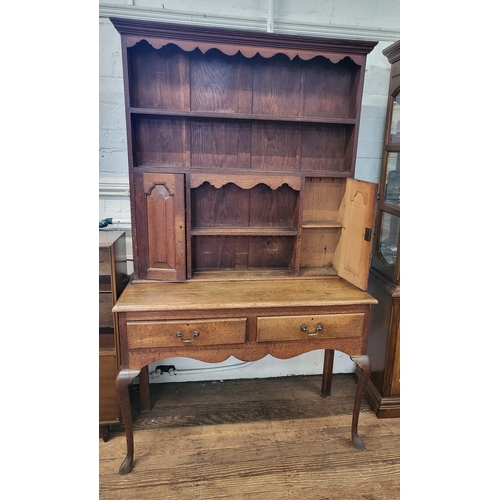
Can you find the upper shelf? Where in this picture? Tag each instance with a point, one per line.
(172, 82)
(242, 116)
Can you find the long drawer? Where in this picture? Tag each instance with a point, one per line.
(321, 326)
(157, 334)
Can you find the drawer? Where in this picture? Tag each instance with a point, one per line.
(105, 314)
(109, 410)
(321, 326)
(175, 333)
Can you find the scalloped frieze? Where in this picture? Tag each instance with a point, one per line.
(245, 181)
(246, 51)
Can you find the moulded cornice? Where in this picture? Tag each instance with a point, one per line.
(392, 52)
(248, 43)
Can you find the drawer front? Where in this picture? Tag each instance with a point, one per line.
(108, 401)
(321, 326)
(105, 314)
(197, 332)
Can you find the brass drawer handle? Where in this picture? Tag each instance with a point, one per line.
(319, 327)
(195, 334)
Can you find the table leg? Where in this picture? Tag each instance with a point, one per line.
(365, 366)
(144, 390)
(123, 379)
(326, 384)
(104, 433)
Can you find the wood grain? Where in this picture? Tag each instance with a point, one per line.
(202, 295)
(257, 439)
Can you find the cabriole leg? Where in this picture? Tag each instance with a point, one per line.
(365, 365)
(123, 379)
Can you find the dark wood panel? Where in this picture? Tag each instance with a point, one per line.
(159, 78)
(228, 206)
(238, 144)
(324, 148)
(241, 252)
(226, 252)
(276, 86)
(220, 143)
(275, 146)
(220, 83)
(160, 141)
(232, 206)
(273, 208)
(270, 252)
(329, 89)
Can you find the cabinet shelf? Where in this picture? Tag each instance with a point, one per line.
(241, 116)
(321, 224)
(186, 139)
(244, 231)
(259, 274)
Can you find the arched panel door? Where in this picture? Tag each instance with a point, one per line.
(161, 254)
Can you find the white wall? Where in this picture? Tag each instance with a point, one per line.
(363, 19)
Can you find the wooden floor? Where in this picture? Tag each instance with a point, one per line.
(266, 439)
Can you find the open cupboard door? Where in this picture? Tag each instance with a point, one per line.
(357, 214)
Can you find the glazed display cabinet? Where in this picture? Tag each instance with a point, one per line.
(383, 390)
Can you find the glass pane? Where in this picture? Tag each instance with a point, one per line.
(391, 195)
(394, 135)
(389, 238)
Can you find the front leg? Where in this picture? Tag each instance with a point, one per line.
(123, 379)
(365, 365)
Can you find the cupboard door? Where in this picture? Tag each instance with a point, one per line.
(160, 231)
(357, 213)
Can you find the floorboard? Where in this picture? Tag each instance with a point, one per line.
(266, 439)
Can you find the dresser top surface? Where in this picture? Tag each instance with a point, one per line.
(211, 295)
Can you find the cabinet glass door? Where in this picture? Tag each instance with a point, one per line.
(386, 247)
(389, 238)
(391, 191)
(394, 135)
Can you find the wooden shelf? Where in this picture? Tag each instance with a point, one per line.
(316, 272)
(242, 116)
(198, 168)
(244, 275)
(244, 231)
(259, 274)
(321, 224)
